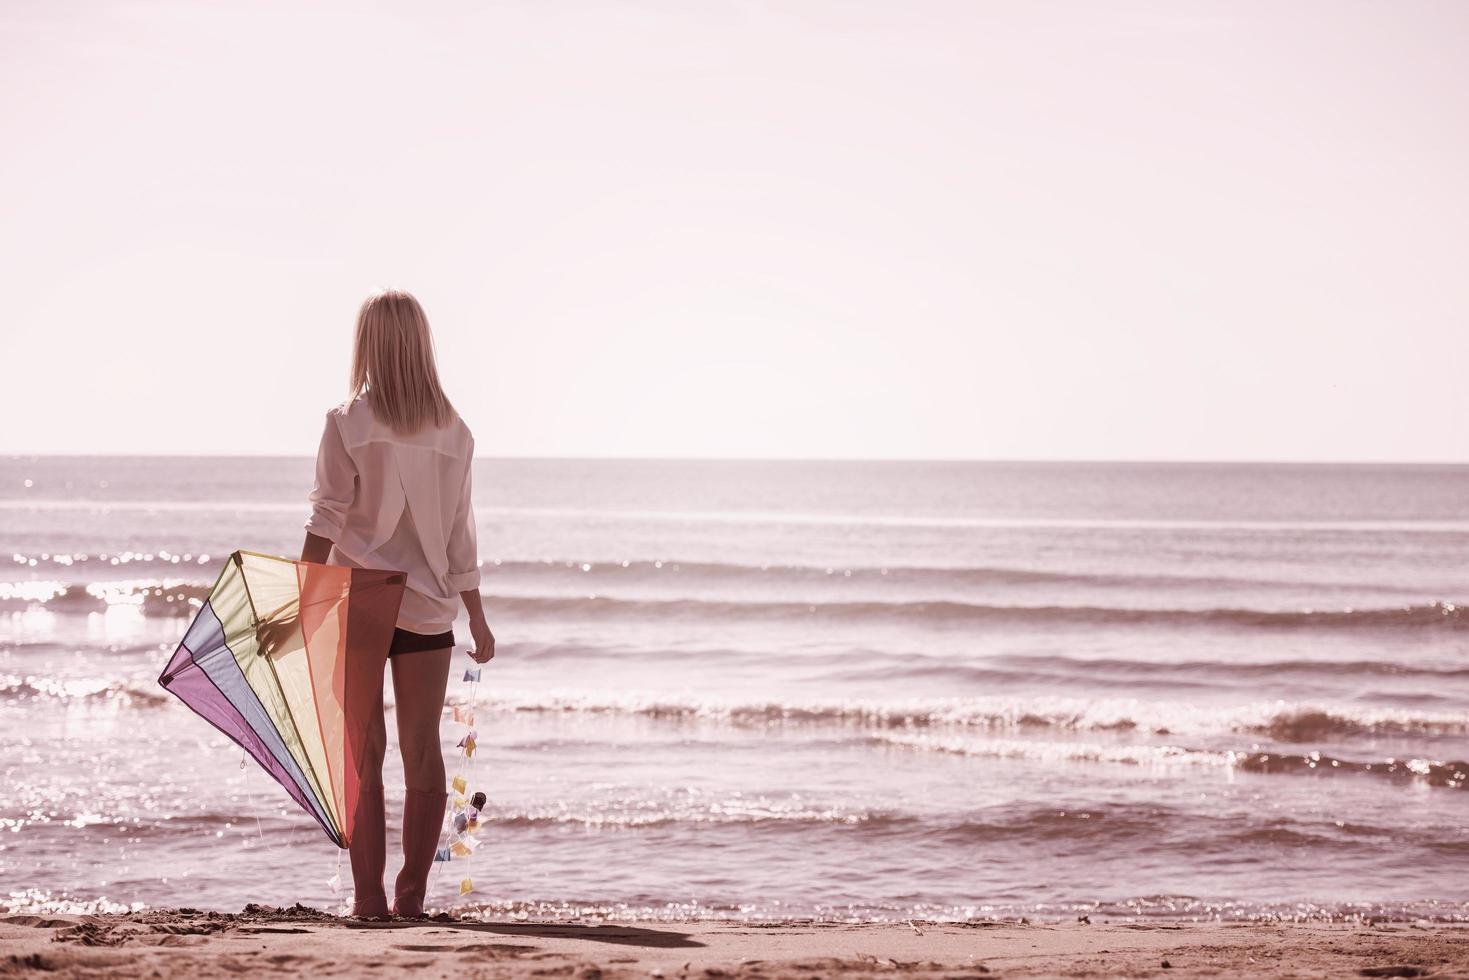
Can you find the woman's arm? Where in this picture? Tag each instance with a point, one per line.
(332, 495)
(464, 574)
(479, 627)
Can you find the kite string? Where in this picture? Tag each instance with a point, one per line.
(253, 796)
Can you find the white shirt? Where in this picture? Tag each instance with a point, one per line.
(393, 501)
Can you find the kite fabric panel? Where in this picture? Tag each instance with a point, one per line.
(286, 658)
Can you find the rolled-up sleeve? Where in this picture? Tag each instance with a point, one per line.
(463, 539)
(336, 483)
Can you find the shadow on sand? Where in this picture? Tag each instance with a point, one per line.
(613, 934)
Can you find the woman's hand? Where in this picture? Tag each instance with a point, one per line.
(484, 641)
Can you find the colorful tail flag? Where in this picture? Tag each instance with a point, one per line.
(286, 658)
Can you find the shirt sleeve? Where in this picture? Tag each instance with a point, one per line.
(464, 573)
(336, 484)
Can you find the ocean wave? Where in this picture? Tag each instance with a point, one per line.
(1442, 615)
(1450, 774)
(776, 518)
(159, 599)
(31, 688)
(1144, 825)
(690, 809)
(1118, 674)
(182, 599)
(589, 572)
(1279, 720)
(898, 666)
(45, 649)
(964, 521)
(586, 571)
(1091, 666)
(22, 906)
(1161, 827)
(1145, 909)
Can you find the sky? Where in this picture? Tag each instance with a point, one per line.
(1175, 230)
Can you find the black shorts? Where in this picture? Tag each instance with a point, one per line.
(406, 641)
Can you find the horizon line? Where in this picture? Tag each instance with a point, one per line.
(994, 461)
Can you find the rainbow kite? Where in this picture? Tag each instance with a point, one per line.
(286, 658)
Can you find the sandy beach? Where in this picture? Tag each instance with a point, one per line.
(307, 942)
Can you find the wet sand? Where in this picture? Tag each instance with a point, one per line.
(306, 942)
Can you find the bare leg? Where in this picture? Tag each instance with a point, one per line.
(419, 682)
(369, 834)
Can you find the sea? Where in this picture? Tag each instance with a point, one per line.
(798, 691)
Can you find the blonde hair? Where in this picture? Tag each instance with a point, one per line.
(393, 363)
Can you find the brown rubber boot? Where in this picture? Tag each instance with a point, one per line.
(423, 819)
(369, 852)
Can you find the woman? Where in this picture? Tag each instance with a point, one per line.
(392, 491)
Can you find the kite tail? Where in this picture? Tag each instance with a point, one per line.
(461, 814)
